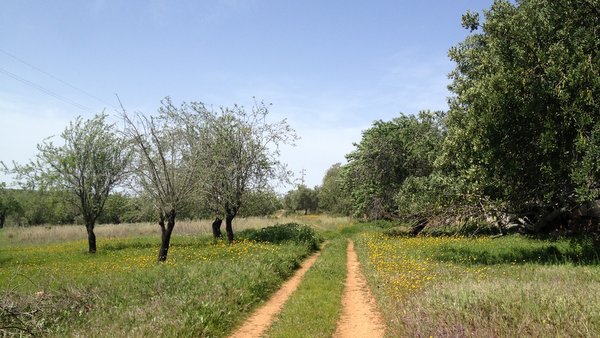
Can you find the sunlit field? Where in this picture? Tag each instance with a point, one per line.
(453, 286)
(63, 233)
(205, 288)
(425, 286)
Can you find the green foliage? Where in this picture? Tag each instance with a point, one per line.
(389, 153)
(9, 205)
(303, 198)
(332, 197)
(165, 166)
(85, 169)
(260, 203)
(442, 198)
(281, 233)
(239, 155)
(523, 125)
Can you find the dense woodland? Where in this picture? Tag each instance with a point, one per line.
(518, 148)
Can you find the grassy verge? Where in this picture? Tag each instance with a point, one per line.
(512, 286)
(313, 309)
(205, 289)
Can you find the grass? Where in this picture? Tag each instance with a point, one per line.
(205, 289)
(451, 286)
(425, 286)
(62, 233)
(313, 310)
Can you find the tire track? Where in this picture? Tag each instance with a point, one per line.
(360, 317)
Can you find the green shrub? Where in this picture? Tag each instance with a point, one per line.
(280, 233)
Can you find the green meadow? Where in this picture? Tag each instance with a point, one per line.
(424, 286)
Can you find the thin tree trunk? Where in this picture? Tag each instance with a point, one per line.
(2, 219)
(89, 226)
(228, 220)
(166, 234)
(216, 228)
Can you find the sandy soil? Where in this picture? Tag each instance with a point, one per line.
(261, 320)
(360, 317)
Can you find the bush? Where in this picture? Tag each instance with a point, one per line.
(281, 233)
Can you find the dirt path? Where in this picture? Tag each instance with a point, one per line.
(261, 320)
(360, 317)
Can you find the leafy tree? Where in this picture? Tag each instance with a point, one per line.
(303, 198)
(117, 209)
(90, 163)
(524, 123)
(260, 203)
(239, 154)
(166, 162)
(332, 196)
(8, 204)
(389, 153)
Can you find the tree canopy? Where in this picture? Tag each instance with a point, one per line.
(524, 119)
(389, 153)
(240, 155)
(90, 163)
(166, 163)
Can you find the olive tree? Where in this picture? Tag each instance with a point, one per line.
(165, 164)
(332, 196)
(303, 198)
(89, 164)
(389, 153)
(524, 119)
(239, 155)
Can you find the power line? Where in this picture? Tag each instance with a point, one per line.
(43, 89)
(56, 78)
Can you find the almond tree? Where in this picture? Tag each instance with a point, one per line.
(165, 165)
(90, 163)
(239, 154)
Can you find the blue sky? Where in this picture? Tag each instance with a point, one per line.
(329, 67)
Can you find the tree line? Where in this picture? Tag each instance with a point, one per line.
(185, 160)
(519, 146)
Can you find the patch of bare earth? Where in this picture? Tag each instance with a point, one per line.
(261, 320)
(360, 317)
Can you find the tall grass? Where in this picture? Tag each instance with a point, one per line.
(511, 286)
(204, 289)
(63, 233)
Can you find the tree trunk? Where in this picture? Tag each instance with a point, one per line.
(228, 220)
(91, 237)
(216, 228)
(2, 219)
(417, 228)
(165, 234)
